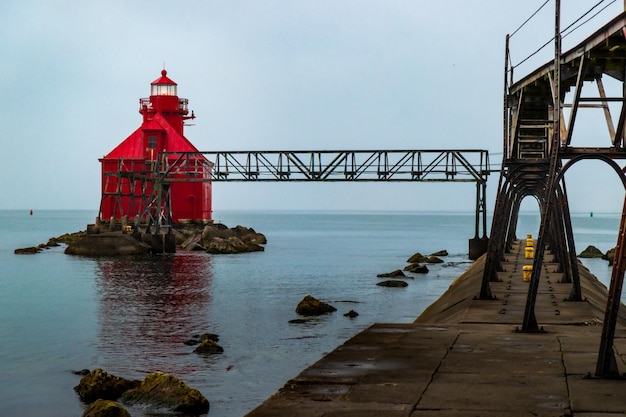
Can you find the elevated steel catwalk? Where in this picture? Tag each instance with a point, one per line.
(540, 144)
(362, 165)
(462, 165)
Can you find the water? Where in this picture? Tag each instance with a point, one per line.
(60, 313)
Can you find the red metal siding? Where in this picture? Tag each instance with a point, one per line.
(161, 130)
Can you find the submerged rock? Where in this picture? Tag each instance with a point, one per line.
(299, 321)
(163, 391)
(98, 384)
(434, 260)
(392, 274)
(310, 306)
(196, 339)
(416, 268)
(209, 346)
(27, 251)
(440, 253)
(351, 314)
(105, 408)
(392, 283)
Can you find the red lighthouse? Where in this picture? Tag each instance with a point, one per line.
(128, 171)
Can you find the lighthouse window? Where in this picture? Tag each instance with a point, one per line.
(152, 142)
(163, 90)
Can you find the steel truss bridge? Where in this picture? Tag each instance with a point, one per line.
(541, 143)
(464, 165)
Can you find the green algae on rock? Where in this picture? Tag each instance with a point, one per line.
(163, 391)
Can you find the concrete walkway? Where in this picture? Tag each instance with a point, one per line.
(463, 357)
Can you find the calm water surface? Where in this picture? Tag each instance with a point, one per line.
(60, 313)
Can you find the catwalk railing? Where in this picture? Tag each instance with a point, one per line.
(462, 165)
(362, 165)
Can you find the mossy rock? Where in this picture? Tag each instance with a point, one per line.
(163, 391)
(105, 408)
(98, 384)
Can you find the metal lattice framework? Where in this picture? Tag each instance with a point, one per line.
(540, 145)
(361, 165)
(464, 165)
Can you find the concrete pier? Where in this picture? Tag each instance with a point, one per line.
(463, 357)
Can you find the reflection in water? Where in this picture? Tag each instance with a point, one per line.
(148, 307)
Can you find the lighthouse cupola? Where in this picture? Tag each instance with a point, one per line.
(163, 86)
(164, 100)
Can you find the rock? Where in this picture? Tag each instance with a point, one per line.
(52, 243)
(209, 346)
(82, 372)
(105, 408)
(218, 238)
(609, 256)
(434, 260)
(310, 306)
(392, 283)
(27, 251)
(440, 253)
(192, 243)
(299, 321)
(163, 391)
(417, 258)
(108, 244)
(68, 238)
(200, 338)
(248, 233)
(591, 252)
(99, 384)
(351, 314)
(230, 245)
(213, 238)
(396, 273)
(416, 268)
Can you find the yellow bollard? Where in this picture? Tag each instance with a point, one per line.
(529, 236)
(528, 270)
(529, 252)
(529, 242)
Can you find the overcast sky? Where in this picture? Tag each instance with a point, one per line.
(271, 75)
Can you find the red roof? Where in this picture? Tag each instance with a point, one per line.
(133, 146)
(163, 79)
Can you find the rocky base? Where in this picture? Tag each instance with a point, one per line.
(108, 244)
(213, 238)
(218, 238)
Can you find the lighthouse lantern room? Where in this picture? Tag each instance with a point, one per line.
(128, 171)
